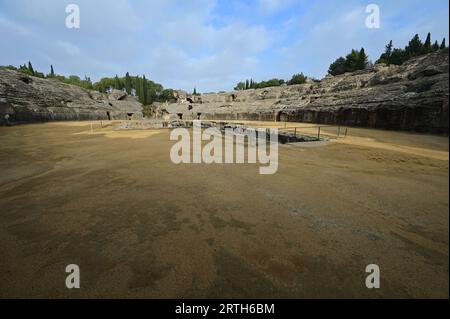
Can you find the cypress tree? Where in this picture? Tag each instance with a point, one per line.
(443, 45)
(52, 72)
(30, 68)
(117, 83)
(128, 83)
(427, 44)
(144, 90)
(138, 88)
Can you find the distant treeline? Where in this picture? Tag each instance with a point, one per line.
(250, 84)
(145, 90)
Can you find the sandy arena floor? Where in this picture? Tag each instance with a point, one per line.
(139, 226)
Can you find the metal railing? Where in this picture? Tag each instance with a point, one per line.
(317, 131)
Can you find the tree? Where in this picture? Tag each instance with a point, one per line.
(247, 84)
(427, 45)
(351, 61)
(52, 72)
(386, 56)
(128, 85)
(117, 85)
(195, 91)
(269, 83)
(30, 68)
(388, 51)
(414, 47)
(167, 95)
(144, 90)
(355, 60)
(443, 45)
(297, 79)
(435, 46)
(138, 88)
(240, 86)
(363, 60)
(338, 67)
(398, 57)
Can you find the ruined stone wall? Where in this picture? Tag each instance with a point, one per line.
(413, 96)
(30, 99)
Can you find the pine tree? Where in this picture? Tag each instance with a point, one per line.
(351, 61)
(427, 44)
(128, 83)
(443, 45)
(415, 47)
(362, 61)
(30, 68)
(387, 55)
(398, 56)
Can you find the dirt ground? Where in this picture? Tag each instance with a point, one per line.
(140, 226)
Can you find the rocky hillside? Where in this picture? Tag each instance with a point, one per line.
(30, 99)
(413, 96)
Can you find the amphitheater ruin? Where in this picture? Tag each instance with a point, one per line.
(362, 179)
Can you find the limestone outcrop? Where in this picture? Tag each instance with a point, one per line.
(31, 99)
(413, 96)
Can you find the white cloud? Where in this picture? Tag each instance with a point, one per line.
(342, 28)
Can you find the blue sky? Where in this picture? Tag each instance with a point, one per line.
(208, 44)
